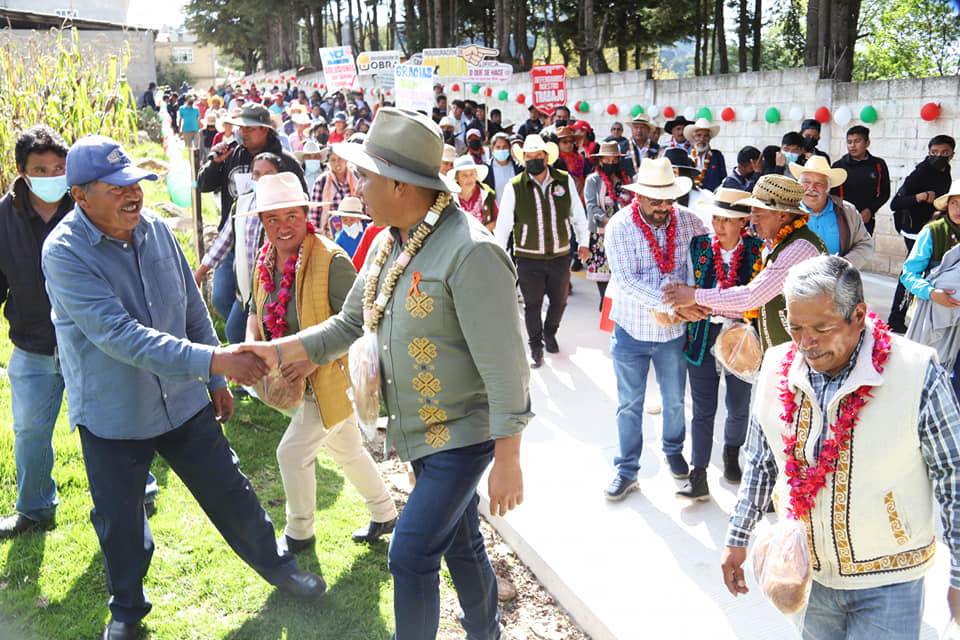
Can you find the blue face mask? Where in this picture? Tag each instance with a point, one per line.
(501, 155)
(312, 166)
(48, 189)
(791, 156)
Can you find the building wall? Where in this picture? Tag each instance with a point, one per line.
(106, 10)
(204, 65)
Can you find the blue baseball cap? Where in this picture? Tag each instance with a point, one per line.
(94, 157)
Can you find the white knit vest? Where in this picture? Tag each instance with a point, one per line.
(872, 523)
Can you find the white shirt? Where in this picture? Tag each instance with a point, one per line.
(508, 203)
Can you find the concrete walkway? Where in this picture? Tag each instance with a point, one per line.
(647, 567)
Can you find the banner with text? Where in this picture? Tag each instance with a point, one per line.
(491, 72)
(371, 63)
(413, 87)
(339, 70)
(549, 87)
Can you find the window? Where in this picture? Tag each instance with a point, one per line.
(183, 55)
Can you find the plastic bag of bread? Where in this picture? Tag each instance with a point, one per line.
(278, 392)
(781, 563)
(666, 319)
(364, 363)
(738, 350)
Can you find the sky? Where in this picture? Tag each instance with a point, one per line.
(153, 14)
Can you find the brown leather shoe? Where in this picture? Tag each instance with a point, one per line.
(12, 526)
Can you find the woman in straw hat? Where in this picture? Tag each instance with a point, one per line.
(782, 224)
(726, 258)
(604, 195)
(353, 219)
(301, 279)
(475, 197)
(576, 163)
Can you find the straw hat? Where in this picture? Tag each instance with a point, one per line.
(466, 163)
(701, 123)
(300, 118)
(211, 117)
(449, 153)
(655, 180)
(352, 207)
(279, 191)
(565, 132)
(774, 192)
(642, 119)
(726, 204)
(447, 121)
(608, 149)
(819, 164)
(532, 143)
(309, 147)
(942, 202)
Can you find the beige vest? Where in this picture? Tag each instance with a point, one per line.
(872, 523)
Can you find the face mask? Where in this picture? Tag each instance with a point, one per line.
(937, 162)
(312, 166)
(474, 144)
(48, 189)
(447, 136)
(809, 144)
(609, 168)
(468, 113)
(536, 166)
(353, 230)
(323, 138)
(501, 155)
(561, 123)
(790, 156)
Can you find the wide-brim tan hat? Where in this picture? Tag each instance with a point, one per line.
(352, 207)
(534, 142)
(726, 203)
(309, 147)
(565, 132)
(449, 153)
(608, 149)
(466, 163)
(774, 192)
(280, 191)
(401, 145)
(819, 164)
(655, 180)
(701, 123)
(942, 202)
(641, 119)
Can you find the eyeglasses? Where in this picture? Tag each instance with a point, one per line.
(616, 129)
(657, 203)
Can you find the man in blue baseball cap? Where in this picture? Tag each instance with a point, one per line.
(144, 374)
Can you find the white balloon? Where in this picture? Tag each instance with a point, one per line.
(749, 114)
(842, 115)
(512, 96)
(653, 111)
(690, 113)
(796, 114)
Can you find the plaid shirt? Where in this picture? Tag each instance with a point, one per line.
(939, 430)
(637, 275)
(224, 242)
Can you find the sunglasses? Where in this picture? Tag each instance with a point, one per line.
(657, 203)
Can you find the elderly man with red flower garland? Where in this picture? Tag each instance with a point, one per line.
(302, 278)
(647, 245)
(854, 431)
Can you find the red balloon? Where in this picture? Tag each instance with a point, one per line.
(930, 111)
(576, 107)
(612, 109)
(488, 92)
(727, 114)
(668, 112)
(455, 87)
(283, 77)
(314, 85)
(521, 98)
(822, 115)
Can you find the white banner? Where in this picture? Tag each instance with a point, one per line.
(413, 87)
(339, 70)
(371, 63)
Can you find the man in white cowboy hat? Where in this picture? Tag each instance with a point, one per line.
(639, 146)
(438, 296)
(710, 163)
(647, 243)
(539, 208)
(782, 224)
(324, 276)
(836, 221)
(353, 221)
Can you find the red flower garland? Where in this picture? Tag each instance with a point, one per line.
(727, 279)
(665, 259)
(805, 482)
(623, 198)
(274, 313)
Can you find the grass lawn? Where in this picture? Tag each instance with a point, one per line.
(52, 584)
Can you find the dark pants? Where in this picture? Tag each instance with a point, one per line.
(901, 301)
(200, 455)
(704, 388)
(538, 278)
(440, 520)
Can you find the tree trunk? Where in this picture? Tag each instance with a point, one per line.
(757, 24)
(811, 50)
(524, 54)
(392, 26)
(742, 38)
(839, 56)
(720, 32)
(698, 38)
(351, 31)
(584, 18)
(339, 23)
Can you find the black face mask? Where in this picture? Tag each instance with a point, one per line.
(938, 162)
(322, 138)
(809, 144)
(609, 168)
(468, 113)
(561, 123)
(474, 144)
(536, 166)
(447, 136)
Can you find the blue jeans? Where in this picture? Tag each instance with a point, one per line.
(441, 521)
(631, 364)
(224, 299)
(704, 388)
(892, 612)
(200, 455)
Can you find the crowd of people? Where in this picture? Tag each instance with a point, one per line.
(402, 238)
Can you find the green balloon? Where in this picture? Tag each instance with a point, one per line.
(772, 116)
(704, 113)
(475, 88)
(868, 113)
(637, 110)
(503, 94)
(584, 106)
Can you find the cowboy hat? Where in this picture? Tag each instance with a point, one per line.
(819, 164)
(608, 149)
(774, 192)
(641, 118)
(565, 132)
(309, 147)
(352, 207)
(279, 191)
(655, 180)
(672, 124)
(701, 123)
(449, 153)
(466, 163)
(447, 121)
(300, 118)
(726, 204)
(942, 202)
(532, 143)
(251, 115)
(401, 145)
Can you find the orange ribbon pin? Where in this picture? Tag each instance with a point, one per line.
(414, 290)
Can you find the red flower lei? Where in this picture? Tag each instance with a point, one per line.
(665, 258)
(703, 172)
(274, 312)
(804, 481)
(623, 198)
(727, 279)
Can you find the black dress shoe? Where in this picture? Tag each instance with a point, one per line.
(12, 526)
(117, 630)
(303, 585)
(373, 531)
(293, 545)
(550, 344)
(536, 358)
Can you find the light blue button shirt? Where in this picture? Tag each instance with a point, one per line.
(134, 334)
(825, 225)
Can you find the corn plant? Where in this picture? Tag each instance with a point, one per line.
(50, 78)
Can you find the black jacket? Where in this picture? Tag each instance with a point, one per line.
(215, 176)
(22, 233)
(910, 215)
(868, 182)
